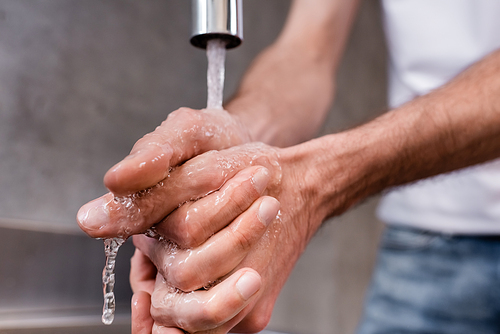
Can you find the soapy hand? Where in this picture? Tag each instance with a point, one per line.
(138, 198)
(197, 309)
(218, 226)
(184, 134)
(286, 235)
(125, 212)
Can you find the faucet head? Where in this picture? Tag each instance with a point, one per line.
(220, 19)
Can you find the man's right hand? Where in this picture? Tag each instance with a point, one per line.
(245, 239)
(186, 133)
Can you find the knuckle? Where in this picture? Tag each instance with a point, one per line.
(186, 234)
(183, 278)
(181, 116)
(152, 137)
(257, 321)
(242, 199)
(194, 228)
(185, 227)
(189, 114)
(156, 303)
(162, 305)
(180, 111)
(212, 181)
(215, 179)
(213, 175)
(184, 110)
(163, 256)
(242, 240)
(161, 262)
(192, 235)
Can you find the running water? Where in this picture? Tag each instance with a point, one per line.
(216, 54)
(111, 247)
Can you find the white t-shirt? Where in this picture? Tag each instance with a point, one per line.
(430, 42)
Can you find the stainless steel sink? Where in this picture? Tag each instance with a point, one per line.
(51, 282)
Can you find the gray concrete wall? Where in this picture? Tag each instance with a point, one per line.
(81, 81)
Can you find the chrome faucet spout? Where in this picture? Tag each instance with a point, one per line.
(220, 19)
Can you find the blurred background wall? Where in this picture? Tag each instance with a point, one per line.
(80, 82)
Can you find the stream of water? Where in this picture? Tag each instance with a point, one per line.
(216, 55)
(111, 247)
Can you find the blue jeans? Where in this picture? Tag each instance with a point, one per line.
(434, 283)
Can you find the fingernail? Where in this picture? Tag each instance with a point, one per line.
(268, 210)
(248, 285)
(93, 215)
(260, 180)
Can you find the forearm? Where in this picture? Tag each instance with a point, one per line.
(286, 93)
(455, 126)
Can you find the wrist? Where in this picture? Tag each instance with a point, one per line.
(278, 87)
(335, 172)
(243, 109)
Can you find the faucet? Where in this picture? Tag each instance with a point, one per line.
(220, 19)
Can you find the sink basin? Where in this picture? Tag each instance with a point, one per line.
(50, 282)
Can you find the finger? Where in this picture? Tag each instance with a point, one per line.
(194, 268)
(110, 216)
(205, 309)
(142, 322)
(142, 273)
(184, 134)
(194, 222)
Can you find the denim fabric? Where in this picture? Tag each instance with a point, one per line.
(434, 283)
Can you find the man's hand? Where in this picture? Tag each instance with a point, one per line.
(138, 198)
(184, 134)
(269, 249)
(221, 302)
(142, 281)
